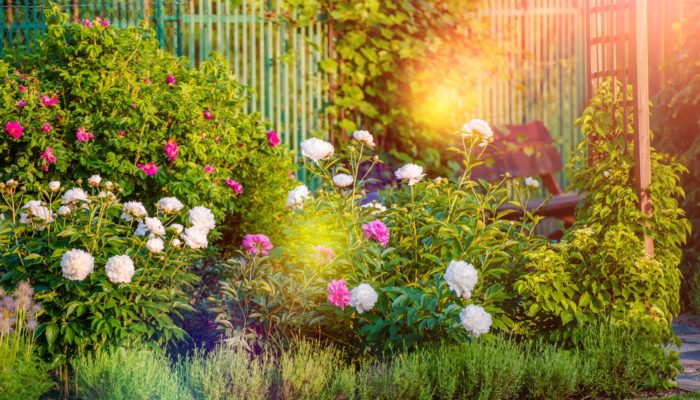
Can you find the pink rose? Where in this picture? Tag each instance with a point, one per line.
(171, 150)
(209, 169)
(208, 115)
(87, 23)
(21, 103)
(338, 293)
(46, 128)
(49, 101)
(325, 254)
(377, 231)
(82, 135)
(103, 22)
(150, 169)
(15, 129)
(272, 138)
(48, 156)
(257, 244)
(237, 187)
(22, 88)
(170, 80)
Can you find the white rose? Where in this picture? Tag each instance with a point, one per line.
(155, 226)
(77, 264)
(203, 218)
(155, 245)
(461, 277)
(169, 205)
(195, 237)
(316, 149)
(376, 205)
(177, 228)
(478, 128)
(475, 319)
(343, 180)
(74, 195)
(133, 210)
(120, 269)
(364, 137)
(410, 172)
(141, 229)
(63, 211)
(532, 183)
(363, 297)
(94, 180)
(296, 196)
(54, 186)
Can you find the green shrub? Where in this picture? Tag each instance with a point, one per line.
(306, 370)
(114, 83)
(552, 372)
(343, 386)
(227, 373)
(127, 373)
(618, 362)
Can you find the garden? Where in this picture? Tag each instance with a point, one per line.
(160, 239)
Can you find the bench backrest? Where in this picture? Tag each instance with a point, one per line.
(524, 150)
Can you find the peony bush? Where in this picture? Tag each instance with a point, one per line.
(107, 273)
(112, 103)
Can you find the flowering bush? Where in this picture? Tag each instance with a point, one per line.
(437, 260)
(112, 103)
(107, 273)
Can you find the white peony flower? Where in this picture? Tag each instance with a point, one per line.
(475, 319)
(296, 196)
(120, 269)
(77, 264)
(54, 186)
(141, 229)
(177, 228)
(410, 172)
(74, 195)
(63, 211)
(169, 205)
(133, 210)
(35, 208)
(94, 180)
(363, 297)
(343, 180)
(461, 277)
(102, 194)
(155, 226)
(155, 245)
(374, 204)
(316, 149)
(364, 137)
(478, 129)
(532, 183)
(195, 237)
(176, 242)
(202, 217)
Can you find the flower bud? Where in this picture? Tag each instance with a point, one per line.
(375, 158)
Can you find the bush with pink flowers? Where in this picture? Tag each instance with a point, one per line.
(111, 102)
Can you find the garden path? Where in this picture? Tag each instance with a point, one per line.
(687, 327)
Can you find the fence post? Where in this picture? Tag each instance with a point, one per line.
(160, 23)
(180, 29)
(147, 12)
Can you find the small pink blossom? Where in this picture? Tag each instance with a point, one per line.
(208, 115)
(87, 23)
(257, 244)
(22, 88)
(339, 294)
(49, 101)
(150, 169)
(209, 169)
(120, 132)
(82, 135)
(21, 103)
(171, 150)
(376, 230)
(170, 80)
(46, 128)
(103, 22)
(147, 80)
(272, 138)
(291, 176)
(237, 187)
(48, 156)
(15, 129)
(325, 254)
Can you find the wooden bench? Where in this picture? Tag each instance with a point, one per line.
(527, 150)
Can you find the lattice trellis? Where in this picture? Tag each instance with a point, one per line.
(617, 46)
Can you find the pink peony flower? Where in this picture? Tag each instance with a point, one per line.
(237, 187)
(150, 169)
(209, 169)
(22, 88)
(15, 129)
(46, 128)
(87, 23)
(325, 254)
(82, 135)
(171, 150)
(48, 156)
(103, 22)
(21, 103)
(49, 101)
(376, 230)
(171, 80)
(338, 293)
(257, 244)
(208, 115)
(272, 138)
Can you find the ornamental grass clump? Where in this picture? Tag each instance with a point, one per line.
(106, 273)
